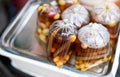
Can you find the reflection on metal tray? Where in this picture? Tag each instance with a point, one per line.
(20, 39)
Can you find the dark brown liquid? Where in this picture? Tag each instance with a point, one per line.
(59, 46)
(85, 58)
(42, 18)
(91, 53)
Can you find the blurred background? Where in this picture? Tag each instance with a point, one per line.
(8, 11)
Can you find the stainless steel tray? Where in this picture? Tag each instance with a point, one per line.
(19, 39)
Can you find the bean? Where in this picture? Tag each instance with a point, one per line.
(84, 46)
(61, 2)
(72, 38)
(56, 59)
(45, 31)
(112, 24)
(57, 16)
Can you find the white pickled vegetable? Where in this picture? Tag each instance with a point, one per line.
(94, 35)
(107, 13)
(77, 15)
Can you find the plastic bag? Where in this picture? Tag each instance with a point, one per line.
(108, 14)
(47, 14)
(61, 41)
(77, 15)
(92, 47)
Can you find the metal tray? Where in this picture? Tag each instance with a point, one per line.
(19, 39)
